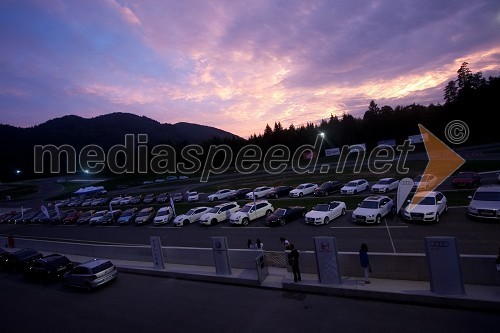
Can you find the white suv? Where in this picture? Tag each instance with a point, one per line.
(372, 209)
(430, 207)
(250, 212)
(354, 186)
(219, 213)
(485, 203)
(163, 216)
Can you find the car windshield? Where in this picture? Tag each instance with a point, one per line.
(280, 212)
(162, 213)
(487, 196)
(102, 267)
(300, 187)
(465, 175)
(127, 213)
(352, 184)
(86, 214)
(143, 213)
(192, 194)
(321, 208)
(385, 181)
(214, 210)
(427, 201)
(190, 212)
(246, 208)
(369, 204)
(99, 214)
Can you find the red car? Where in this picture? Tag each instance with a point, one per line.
(466, 179)
(72, 217)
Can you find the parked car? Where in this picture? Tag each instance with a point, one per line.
(354, 186)
(372, 209)
(91, 274)
(163, 216)
(485, 203)
(183, 177)
(220, 195)
(149, 198)
(115, 201)
(110, 217)
(170, 178)
(385, 185)
(96, 218)
(279, 191)
(178, 197)
(50, 267)
(328, 188)
(193, 196)
(239, 193)
(466, 179)
(135, 200)
(126, 200)
(251, 211)
(283, 216)
(303, 189)
(127, 216)
(87, 202)
(72, 217)
(324, 213)
(21, 259)
(3, 256)
(191, 216)
(162, 198)
(85, 217)
(219, 213)
(258, 192)
(145, 216)
(425, 182)
(430, 207)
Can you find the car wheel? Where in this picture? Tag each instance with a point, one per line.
(214, 221)
(436, 220)
(304, 213)
(355, 192)
(445, 208)
(378, 219)
(276, 196)
(268, 213)
(245, 221)
(301, 194)
(215, 199)
(186, 222)
(87, 287)
(282, 222)
(327, 220)
(343, 211)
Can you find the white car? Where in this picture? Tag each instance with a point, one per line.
(372, 209)
(385, 185)
(430, 207)
(250, 212)
(354, 186)
(115, 201)
(220, 195)
(324, 213)
(97, 217)
(193, 196)
(125, 200)
(163, 215)
(485, 203)
(191, 216)
(259, 192)
(219, 213)
(425, 182)
(303, 189)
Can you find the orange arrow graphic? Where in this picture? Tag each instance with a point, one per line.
(443, 162)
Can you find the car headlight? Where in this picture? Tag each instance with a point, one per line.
(472, 209)
(429, 213)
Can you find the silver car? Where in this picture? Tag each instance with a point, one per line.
(91, 274)
(485, 203)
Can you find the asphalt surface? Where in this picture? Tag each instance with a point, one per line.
(136, 303)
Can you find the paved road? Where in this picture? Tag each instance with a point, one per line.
(142, 303)
(392, 236)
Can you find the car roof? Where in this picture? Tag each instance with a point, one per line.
(146, 209)
(375, 197)
(162, 209)
(489, 188)
(226, 203)
(93, 263)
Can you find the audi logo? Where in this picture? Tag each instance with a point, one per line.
(407, 182)
(439, 244)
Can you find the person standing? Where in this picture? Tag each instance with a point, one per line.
(249, 244)
(294, 262)
(364, 260)
(259, 244)
(285, 243)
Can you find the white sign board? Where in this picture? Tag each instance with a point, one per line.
(327, 260)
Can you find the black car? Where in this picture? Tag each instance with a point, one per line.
(21, 259)
(111, 217)
(51, 267)
(282, 216)
(239, 194)
(148, 198)
(85, 217)
(178, 197)
(162, 198)
(328, 188)
(279, 191)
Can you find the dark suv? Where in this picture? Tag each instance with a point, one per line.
(51, 267)
(21, 259)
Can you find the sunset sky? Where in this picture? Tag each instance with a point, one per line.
(236, 65)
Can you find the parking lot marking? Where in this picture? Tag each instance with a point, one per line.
(246, 227)
(371, 227)
(390, 237)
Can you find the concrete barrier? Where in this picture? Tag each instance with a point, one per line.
(476, 269)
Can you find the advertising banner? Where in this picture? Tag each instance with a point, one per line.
(158, 261)
(325, 249)
(221, 255)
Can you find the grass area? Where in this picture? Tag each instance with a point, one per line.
(17, 191)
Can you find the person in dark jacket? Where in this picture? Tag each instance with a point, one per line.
(364, 260)
(294, 262)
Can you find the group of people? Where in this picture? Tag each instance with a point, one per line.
(258, 245)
